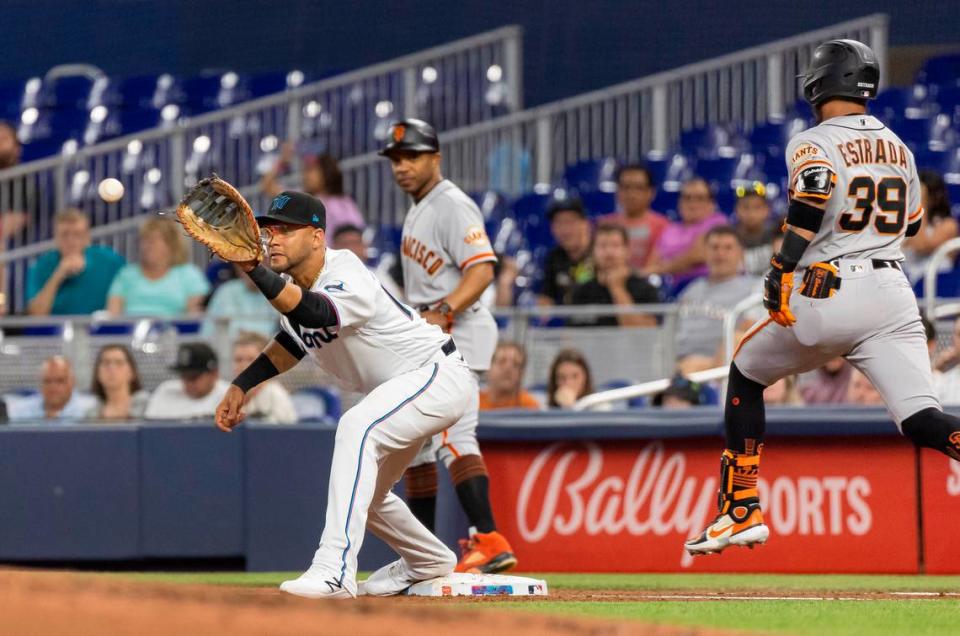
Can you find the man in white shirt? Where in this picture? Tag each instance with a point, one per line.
(195, 393)
(269, 402)
(57, 399)
(414, 380)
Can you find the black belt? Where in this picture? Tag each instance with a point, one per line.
(878, 263)
(449, 347)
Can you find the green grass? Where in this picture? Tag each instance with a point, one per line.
(794, 618)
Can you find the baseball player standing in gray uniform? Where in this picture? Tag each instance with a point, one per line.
(414, 381)
(854, 196)
(447, 263)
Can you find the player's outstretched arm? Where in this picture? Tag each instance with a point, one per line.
(281, 355)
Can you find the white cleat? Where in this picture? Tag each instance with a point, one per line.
(394, 578)
(315, 583)
(742, 526)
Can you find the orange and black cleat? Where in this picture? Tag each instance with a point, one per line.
(486, 553)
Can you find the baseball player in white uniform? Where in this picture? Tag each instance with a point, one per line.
(416, 385)
(447, 263)
(854, 196)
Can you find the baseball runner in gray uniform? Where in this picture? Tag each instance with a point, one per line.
(447, 263)
(854, 196)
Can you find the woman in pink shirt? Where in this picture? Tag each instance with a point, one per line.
(680, 250)
(321, 178)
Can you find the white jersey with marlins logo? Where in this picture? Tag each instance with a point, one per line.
(443, 235)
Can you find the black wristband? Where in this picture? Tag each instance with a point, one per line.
(267, 281)
(260, 370)
(792, 250)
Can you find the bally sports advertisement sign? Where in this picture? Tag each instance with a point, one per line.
(832, 505)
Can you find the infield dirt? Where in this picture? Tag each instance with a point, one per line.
(46, 603)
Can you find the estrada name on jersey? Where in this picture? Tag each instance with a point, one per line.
(377, 337)
(867, 179)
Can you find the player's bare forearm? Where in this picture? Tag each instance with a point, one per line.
(475, 281)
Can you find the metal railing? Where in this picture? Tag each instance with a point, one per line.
(514, 153)
(452, 85)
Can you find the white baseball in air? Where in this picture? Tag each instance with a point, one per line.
(110, 190)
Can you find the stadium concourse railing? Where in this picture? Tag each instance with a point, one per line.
(618, 356)
(454, 85)
(516, 153)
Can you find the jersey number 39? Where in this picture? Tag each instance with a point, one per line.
(888, 197)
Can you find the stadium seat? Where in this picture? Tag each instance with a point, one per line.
(69, 93)
(316, 403)
(599, 203)
(530, 212)
(942, 69)
(666, 203)
(591, 175)
(714, 141)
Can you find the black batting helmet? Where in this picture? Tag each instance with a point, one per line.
(414, 135)
(841, 68)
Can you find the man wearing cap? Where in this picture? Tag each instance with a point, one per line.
(195, 393)
(414, 380)
(447, 262)
(568, 264)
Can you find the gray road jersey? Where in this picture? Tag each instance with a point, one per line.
(876, 190)
(443, 234)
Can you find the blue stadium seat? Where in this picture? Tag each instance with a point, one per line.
(64, 92)
(316, 403)
(896, 104)
(948, 285)
(54, 124)
(942, 69)
(599, 203)
(712, 142)
(591, 175)
(530, 212)
(770, 139)
(666, 203)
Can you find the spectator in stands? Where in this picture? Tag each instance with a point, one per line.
(241, 302)
(756, 231)
(116, 386)
(569, 379)
(783, 392)
(826, 385)
(10, 147)
(504, 388)
(635, 193)
(321, 178)
(19, 194)
(196, 392)
(681, 250)
(937, 227)
(681, 394)
(163, 283)
(74, 277)
(613, 282)
(350, 237)
(862, 392)
(57, 399)
(700, 329)
(568, 263)
(267, 402)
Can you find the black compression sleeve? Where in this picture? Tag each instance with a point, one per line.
(804, 216)
(792, 250)
(260, 370)
(314, 311)
(267, 281)
(914, 227)
(286, 341)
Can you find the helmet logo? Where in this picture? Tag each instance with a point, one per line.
(398, 132)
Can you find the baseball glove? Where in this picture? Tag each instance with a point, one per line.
(215, 214)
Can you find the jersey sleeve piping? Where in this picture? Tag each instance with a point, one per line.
(478, 258)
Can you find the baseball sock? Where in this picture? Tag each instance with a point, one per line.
(932, 428)
(744, 423)
(421, 490)
(469, 474)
